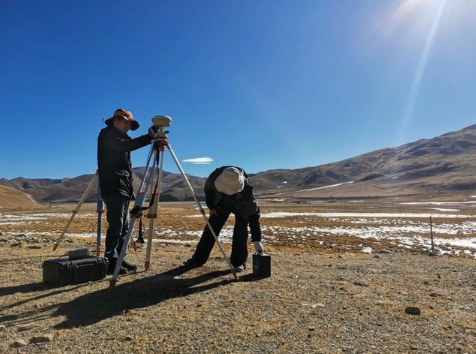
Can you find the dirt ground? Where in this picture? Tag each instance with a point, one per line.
(319, 299)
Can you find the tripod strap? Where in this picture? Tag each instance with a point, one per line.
(140, 239)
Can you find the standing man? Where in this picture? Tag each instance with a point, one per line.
(227, 190)
(115, 178)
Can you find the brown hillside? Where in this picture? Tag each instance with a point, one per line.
(12, 198)
(443, 165)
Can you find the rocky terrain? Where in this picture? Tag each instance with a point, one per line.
(344, 280)
(314, 302)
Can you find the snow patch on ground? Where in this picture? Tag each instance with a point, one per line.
(325, 187)
(437, 203)
(441, 209)
(366, 215)
(10, 219)
(408, 230)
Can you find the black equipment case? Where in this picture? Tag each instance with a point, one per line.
(262, 265)
(65, 271)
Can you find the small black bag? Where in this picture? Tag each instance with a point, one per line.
(65, 271)
(262, 265)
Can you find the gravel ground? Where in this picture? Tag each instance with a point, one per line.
(313, 303)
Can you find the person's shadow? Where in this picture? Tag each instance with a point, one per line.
(97, 306)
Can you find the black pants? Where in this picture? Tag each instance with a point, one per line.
(239, 249)
(118, 220)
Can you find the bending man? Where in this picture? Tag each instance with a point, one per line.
(227, 190)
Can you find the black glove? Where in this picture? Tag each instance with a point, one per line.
(153, 131)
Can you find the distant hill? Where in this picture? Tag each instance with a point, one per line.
(445, 165)
(12, 198)
(68, 190)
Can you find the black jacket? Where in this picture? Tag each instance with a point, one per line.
(243, 202)
(114, 160)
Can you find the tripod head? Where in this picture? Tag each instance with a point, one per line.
(160, 123)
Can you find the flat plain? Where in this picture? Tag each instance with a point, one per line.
(343, 276)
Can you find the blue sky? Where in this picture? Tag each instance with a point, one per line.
(266, 84)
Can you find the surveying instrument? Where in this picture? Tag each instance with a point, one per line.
(153, 175)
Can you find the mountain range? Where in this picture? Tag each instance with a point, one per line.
(69, 190)
(444, 165)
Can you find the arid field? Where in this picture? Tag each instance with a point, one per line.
(343, 275)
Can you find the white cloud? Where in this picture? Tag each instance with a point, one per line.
(199, 160)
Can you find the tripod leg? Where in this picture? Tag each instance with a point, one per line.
(100, 210)
(151, 195)
(75, 211)
(138, 203)
(202, 211)
(153, 214)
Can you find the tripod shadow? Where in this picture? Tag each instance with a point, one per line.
(45, 289)
(32, 316)
(23, 289)
(97, 306)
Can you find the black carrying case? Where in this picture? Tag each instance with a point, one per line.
(262, 265)
(65, 271)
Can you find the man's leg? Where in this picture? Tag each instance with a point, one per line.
(207, 241)
(239, 247)
(117, 213)
(125, 227)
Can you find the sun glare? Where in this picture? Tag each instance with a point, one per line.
(420, 70)
(426, 28)
(407, 6)
(404, 19)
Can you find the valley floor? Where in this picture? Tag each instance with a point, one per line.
(346, 295)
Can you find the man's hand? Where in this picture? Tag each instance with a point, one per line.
(213, 212)
(258, 247)
(153, 131)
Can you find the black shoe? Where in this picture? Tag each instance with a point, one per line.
(192, 263)
(112, 266)
(129, 266)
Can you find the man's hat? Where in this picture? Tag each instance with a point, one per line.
(231, 181)
(127, 115)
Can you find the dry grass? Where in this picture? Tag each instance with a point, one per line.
(320, 298)
(313, 303)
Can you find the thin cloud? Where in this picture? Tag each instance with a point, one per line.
(200, 160)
